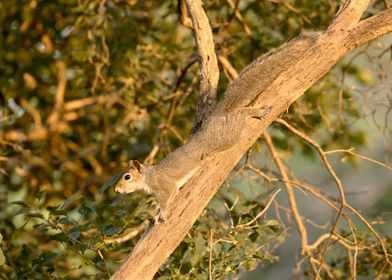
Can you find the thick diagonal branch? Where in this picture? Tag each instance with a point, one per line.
(370, 29)
(281, 90)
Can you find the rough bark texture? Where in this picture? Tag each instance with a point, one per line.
(208, 63)
(344, 34)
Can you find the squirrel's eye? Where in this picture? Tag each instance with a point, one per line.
(127, 177)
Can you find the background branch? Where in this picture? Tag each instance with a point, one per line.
(350, 13)
(208, 63)
(370, 29)
(184, 19)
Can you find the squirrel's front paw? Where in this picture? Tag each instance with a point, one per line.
(159, 217)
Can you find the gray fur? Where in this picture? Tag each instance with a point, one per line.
(224, 127)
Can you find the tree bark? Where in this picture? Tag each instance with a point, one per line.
(344, 34)
(208, 63)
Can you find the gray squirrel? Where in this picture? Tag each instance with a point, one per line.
(163, 180)
(220, 131)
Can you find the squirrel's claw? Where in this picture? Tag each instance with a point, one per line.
(160, 217)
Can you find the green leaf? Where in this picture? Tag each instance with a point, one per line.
(36, 215)
(55, 210)
(42, 230)
(273, 225)
(243, 239)
(2, 257)
(41, 194)
(242, 209)
(254, 236)
(64, 221)
(185, 268)
(59, 236)
(70, 200)
(22, 211)
(45, 259)
(109, 182)
(365, 76)
(120, 213)
(112, 230)
(74, 233)
(21, 203)
(92, 206)
(88, 207)
(200, 250)
(217, 248)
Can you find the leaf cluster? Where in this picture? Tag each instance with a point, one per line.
(129, 87)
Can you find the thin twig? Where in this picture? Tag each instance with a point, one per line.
(238, 15)
(291, 197)
(350, 151)
(59, 97)
(129, 235)
(369, 226)
(210, 255)
(334, 176)
(184, 19)
(263, 211)
(228, 68)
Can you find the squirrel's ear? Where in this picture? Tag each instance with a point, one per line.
(136, 165)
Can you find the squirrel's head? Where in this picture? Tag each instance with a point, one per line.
(132, 179)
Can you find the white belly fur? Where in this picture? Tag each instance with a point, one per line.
(184, 179)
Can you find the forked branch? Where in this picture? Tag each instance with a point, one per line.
(289, 81)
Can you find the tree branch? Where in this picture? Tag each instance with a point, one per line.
(370, 29)
(184, 19)
(208, 63)
(290, 193)
(238, 15)
(333, 175)
(350, 13)
(281, 89)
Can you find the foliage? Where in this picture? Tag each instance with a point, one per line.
(87, 85)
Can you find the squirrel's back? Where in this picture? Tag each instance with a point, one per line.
(251, 82)
(256, 77)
